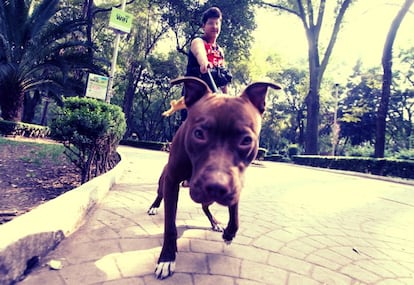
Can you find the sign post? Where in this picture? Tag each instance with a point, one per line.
(97, 86)
(121, 22)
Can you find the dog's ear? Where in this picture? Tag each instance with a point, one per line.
(194, 89)
(256, 93)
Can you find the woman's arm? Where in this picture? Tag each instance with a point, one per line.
(199, 51)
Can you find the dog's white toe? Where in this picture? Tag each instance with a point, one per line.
(152, 211)
(164, 269)
(218, 228)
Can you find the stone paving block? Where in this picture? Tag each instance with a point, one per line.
(133, 244)
(108, 265)
(75, 254)
(351, 253)
(397, 268)
(207, 246)
(263, 273)
(296, 279)
(394, 282)
(268, 243)
(361, 274)
(84, 273)
(183, 244)
(292, 252)
(102, 233)
(243, 240)
(125, 281)
(44, 277)
(194, 233)
(330, 277)
(132, 231)
(247, 252)
(176, 279)
(212, 280)
(285, 235)
(322, 261)
(249, 282)
(333, 256)
(223, 265)
(135, 263)
(377, 268)
(189, 262)
(289, 263)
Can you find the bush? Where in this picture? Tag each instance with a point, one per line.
(261, 153)
(90, 131)
(145, 144)
(274, 157)
(9, 128)
(293, 149)
(406, 154)
(376, 166)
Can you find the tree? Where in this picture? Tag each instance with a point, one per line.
(40, 46)
(357, 110)
(313, 23)
(387, 79)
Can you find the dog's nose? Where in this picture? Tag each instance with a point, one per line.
(216, 190)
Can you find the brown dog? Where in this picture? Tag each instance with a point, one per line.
(211, 149)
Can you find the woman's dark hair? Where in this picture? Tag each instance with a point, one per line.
(213, 12)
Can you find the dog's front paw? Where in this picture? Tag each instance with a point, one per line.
(152, 211)
(228, 236)
(164, 269)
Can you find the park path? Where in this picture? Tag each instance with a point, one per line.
(298, 225)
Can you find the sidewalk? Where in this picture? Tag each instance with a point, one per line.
(301, 226)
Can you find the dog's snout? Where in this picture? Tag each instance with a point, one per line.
(216, 190)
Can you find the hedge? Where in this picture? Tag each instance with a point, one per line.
(9, 128)
(376, 166)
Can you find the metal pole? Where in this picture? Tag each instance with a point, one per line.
(334, 127)
(114, 59)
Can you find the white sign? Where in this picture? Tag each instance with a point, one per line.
(120, 20)
(97, 86)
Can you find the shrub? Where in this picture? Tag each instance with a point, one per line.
(90, 131)
(376, 166)
(9, 128)
(407, 154)
(293, 149)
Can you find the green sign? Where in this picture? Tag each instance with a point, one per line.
(96, 87)
(120, 20)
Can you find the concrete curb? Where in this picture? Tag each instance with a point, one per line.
(28, 238)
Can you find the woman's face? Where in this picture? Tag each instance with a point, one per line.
(212, 28)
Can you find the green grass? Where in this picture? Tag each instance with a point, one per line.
(39, 152)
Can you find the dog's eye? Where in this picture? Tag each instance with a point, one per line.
(199, 134)
(247, 140)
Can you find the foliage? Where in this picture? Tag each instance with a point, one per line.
(41, 48)
(283, 122)
(90, 131)
(313, 17)
(380, 134)
(383, 167)
(357, 111)
(9, 128)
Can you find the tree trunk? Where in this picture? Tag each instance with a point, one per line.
(134, 75)
(387, 79)
(11, 105)
(31, 100)
(312, 100)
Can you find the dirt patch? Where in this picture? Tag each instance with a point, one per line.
(29, 177)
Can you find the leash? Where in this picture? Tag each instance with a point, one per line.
(213, 84)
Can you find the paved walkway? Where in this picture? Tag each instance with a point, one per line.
(297, 226)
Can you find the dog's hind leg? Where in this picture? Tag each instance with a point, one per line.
(215, 225)
(153, 210)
